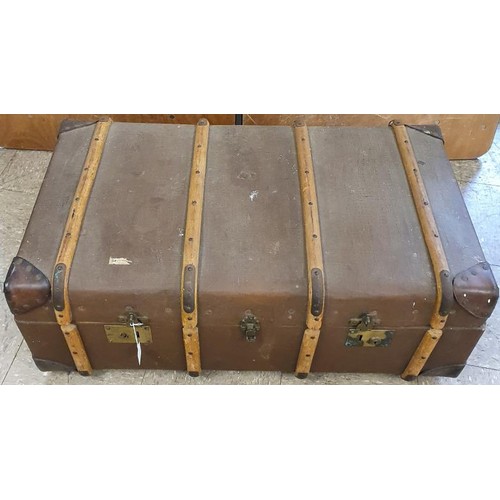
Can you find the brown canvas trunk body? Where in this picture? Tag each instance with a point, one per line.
(252, 256)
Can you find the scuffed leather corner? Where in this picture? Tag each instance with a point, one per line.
(476, 290)
(25, 287)
(430, 130)
(68, 124)
(450, 371)
(46, 365)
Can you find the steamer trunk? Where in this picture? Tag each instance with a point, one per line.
(252, 255)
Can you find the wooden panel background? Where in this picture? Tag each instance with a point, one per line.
(466, 136)
(40, 131)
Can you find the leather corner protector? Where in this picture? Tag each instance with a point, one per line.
(46, 365)
(450, 371)
(476, 290)
(25, 287)
(67, 125)
(430, 130)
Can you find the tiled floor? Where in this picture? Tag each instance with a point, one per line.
(21, 173)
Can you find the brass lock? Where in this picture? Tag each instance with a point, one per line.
(123, 333)
(364, 334)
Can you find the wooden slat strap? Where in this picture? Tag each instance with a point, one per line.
(444, 293)
(192, 240)
(67, 248)
(314, 254)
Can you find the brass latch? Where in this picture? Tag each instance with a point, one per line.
(362, 332)
(123, 333)
(250, 327)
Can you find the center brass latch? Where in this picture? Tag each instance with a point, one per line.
(362, 332)
(129, 323)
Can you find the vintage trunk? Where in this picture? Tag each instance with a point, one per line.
(287, 234)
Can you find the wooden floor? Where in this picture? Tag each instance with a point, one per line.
(21, 173)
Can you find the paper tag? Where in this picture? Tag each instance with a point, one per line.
(119, 261)
(138, 343)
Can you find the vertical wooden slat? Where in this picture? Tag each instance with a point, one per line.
(314, 254)
(192, 241)
(67, 247)
(434, 246)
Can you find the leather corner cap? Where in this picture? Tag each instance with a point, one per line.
(25, 287)
(476, 290)
(69, 124)
(431, 130)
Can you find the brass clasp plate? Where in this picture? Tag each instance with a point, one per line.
(363, 334)
(124, 334)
